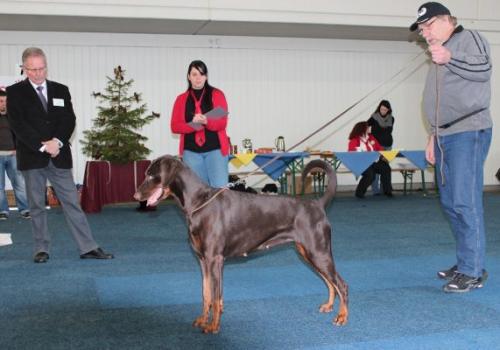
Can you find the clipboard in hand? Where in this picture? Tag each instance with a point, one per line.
(216, 113)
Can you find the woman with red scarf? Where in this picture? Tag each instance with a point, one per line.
(204, 145)
(361, 140)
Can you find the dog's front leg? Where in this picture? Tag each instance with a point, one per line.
(202, 320)
(220, 287)
(215, 267)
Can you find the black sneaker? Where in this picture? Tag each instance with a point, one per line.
(448, 274)
(462, 283)
(26, 215)
(3, 216)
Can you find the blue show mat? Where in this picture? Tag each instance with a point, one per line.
(463, 339)
(185, 287)
(251, 283)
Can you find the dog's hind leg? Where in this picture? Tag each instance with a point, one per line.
(215, 267)
(202, 320)
(322, 262)
(343, 290)
(328, 305)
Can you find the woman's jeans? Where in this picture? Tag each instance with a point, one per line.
(461, 194)
(8, 165)
(211, 167)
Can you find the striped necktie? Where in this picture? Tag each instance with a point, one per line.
(42, 97)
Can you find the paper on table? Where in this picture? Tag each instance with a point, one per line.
(5, 239)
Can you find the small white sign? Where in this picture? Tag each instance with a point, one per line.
(58, 102)
(5, 239)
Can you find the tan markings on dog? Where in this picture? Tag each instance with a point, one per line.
(214, 326)
(341, 318)
(327, 306)
(196, 243)
(166, 192)
(202, 320)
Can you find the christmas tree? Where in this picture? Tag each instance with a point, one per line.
(114, 135)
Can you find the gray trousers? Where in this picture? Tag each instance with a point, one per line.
(65, 188)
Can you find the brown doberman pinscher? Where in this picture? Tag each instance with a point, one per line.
(224, 224)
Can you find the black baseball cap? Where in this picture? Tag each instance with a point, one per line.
(427, 11)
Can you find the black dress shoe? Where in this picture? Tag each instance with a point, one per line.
(41, 257)
(145, 208)
(97, 253)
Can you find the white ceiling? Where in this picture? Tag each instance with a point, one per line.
(199, 27)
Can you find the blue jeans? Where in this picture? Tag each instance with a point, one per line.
(376, 184)
(211, 167)
(462, 194)
(8, 165)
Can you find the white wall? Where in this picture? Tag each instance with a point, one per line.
(274, 86)
(482, 14)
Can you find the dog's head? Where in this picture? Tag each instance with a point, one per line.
(159, 175)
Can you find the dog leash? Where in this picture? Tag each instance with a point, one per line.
(222, 189)
(438, 141)
(325, 125)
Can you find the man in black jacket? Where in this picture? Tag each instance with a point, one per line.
(8, 165)
(41, 115)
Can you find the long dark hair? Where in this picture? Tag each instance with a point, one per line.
(201, 67)
(386, 104)
(358, 130)
(206, 103)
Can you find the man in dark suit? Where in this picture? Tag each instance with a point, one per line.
(41, 115)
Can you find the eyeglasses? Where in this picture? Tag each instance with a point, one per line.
(35, 70)
(426, 26)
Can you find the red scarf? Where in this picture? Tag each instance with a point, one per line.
(199, 136)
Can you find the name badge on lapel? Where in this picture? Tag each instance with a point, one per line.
(58, 102)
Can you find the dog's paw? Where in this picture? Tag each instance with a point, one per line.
(326, 308)
(200, 322)
(210, 328)
(340, 320)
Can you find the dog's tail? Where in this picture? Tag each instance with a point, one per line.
(324, 167)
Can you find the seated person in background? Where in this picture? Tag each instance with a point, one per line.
(361, 140)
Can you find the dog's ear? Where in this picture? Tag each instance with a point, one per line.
(154, 169)
(169, 167)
